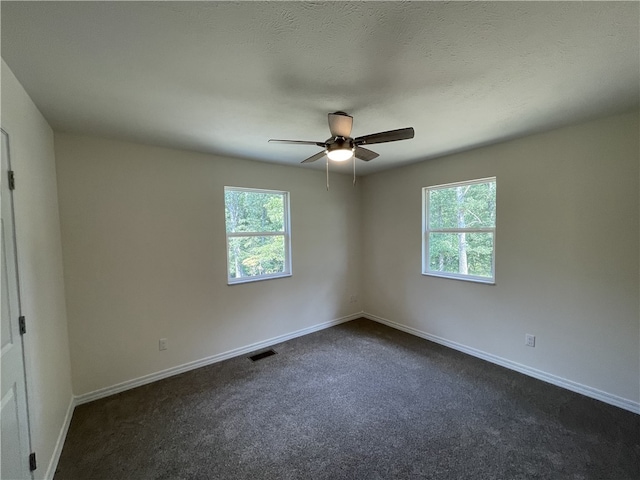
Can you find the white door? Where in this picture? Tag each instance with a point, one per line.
(14, 461)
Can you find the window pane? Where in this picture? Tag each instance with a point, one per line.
(254, 211)
(464, 206)
(255, 256)
(463, 253)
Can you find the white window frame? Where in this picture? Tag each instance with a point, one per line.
(286, 233)
(426, 231)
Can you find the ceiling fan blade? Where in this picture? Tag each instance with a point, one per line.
(298, 142)
(315, 157)
(364, 154)
(340, 124)
(383, 137)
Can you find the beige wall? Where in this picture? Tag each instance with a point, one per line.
(144, 251)
(566, 262)
(143, 233)
(40, 267)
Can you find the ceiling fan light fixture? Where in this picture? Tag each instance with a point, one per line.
(340, 154)
(340, 149)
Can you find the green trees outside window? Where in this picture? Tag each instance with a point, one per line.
(257, 223)
(459, 233)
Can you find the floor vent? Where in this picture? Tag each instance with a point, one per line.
(260, 356)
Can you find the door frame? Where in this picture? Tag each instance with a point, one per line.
(25, 363)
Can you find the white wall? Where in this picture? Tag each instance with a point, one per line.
(144, 252)
(40, 267)
(566, 262)
(143, 236)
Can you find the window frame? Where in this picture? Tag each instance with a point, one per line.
(286, 234)
(426, 232)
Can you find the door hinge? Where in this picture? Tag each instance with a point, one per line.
(23, 325)
(12, 180)
(32, 461)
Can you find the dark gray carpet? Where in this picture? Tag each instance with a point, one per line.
(356, 401)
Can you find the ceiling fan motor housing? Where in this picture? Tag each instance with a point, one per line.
(340, 143)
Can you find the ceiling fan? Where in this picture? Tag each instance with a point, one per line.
(341, 147)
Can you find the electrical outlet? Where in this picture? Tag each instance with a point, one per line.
(529, 340)
(353, 299)
(162, 344)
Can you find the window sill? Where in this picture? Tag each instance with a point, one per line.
(464, 278)
(241, 280)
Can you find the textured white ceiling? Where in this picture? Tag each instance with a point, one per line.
(224, 77)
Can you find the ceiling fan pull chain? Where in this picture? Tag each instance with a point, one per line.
(354, 170)
(327, 174)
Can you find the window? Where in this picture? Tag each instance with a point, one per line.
(258, 238)
(459, 230)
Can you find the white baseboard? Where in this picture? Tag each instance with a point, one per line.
(153, 377)
(57, 451)
(532, 372)
(591, 392)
